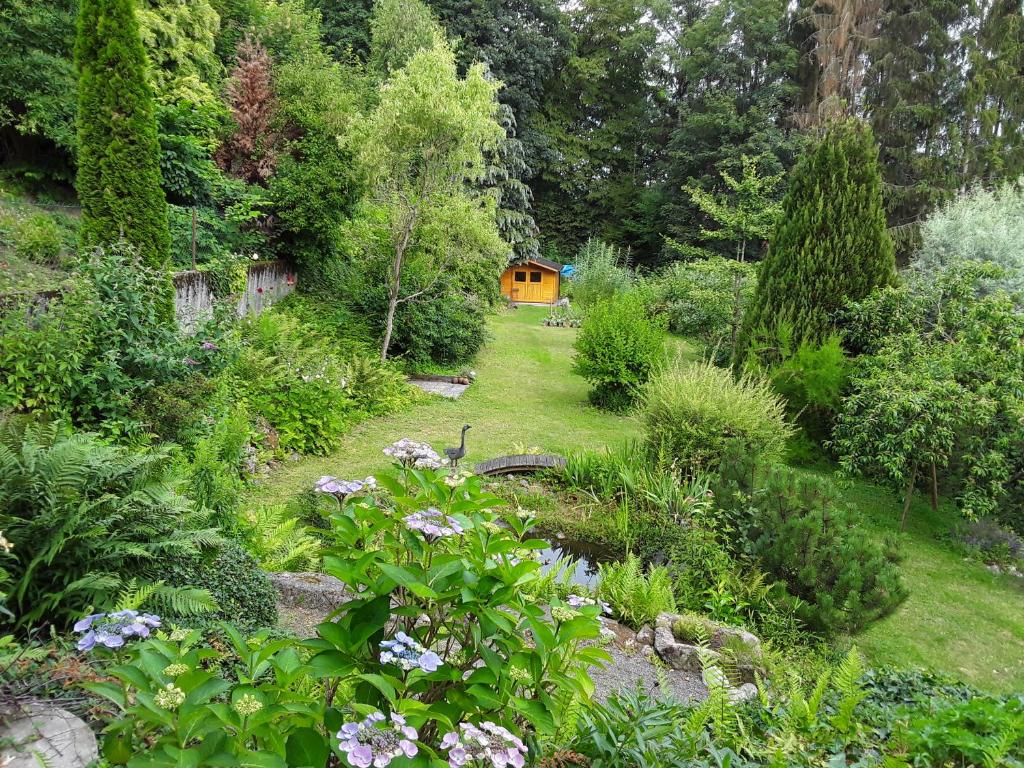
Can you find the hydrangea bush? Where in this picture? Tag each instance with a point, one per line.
(442, 658)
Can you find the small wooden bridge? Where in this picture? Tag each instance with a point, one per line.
(519, 463)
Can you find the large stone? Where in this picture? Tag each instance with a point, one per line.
(676, 655)
(313, 591)
(723, 635)
(47, 735)
(645, 636)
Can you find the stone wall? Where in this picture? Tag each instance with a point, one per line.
(267, 283)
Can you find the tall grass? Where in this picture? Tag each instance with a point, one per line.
(602, 272)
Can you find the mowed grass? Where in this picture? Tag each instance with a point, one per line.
(960, 619)
(525, 397)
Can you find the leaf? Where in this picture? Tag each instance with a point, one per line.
(306, 748)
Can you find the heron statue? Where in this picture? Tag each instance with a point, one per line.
(454, 454)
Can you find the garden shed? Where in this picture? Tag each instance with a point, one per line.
(537, 281)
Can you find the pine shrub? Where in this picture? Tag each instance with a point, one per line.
(118, 149)
(831, 244)
(694, 412)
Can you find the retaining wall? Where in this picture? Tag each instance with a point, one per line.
(267, 283)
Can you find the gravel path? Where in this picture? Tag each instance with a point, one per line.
(631, 668)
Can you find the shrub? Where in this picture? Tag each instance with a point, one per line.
(214, 470)
(244, 594)
(447, 329)
(376, 388)
(617, 349)
(813, 380)
(692, 628)
(636, 597)
(290, 377)
(601, 274)
(84, 519)
(38, 238)
(705, 300)
(694, 412)
(801, 535)
(983, 225)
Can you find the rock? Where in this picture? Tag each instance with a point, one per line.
(676, 655)
(721, 635)
(619, 633)
(309, 590)
(746, 692)
(646, 635)
(47, 735)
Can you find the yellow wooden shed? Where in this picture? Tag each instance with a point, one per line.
(537, 281)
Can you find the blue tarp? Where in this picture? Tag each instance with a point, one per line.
(568, 270)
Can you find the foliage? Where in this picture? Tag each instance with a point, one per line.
(84, 519)
(181, 700)
(617, 350)
(399, 29)
(982, 226)
(425, 137)
(290, 378)
(799, 533)
(279, 541)
(752, 212)
(831, 244)
(216, 459)
(705, 300)
(244, 594)
(430, 560)
(601, 274)
(813, 380)
(693, 413)
(98, 346)
(118, 152)
(637, 597)
(946, 354)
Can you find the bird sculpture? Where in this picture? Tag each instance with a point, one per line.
(454, 454)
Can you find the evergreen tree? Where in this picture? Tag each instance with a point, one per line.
(118, 151)
(503, 178)
(731, 76)
(912, 95)
(831, 243)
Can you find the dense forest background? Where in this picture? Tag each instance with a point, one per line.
(622, 117)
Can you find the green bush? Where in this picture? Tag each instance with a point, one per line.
(693, 413)
(705, 300)
(287, 375)
(38, 238)
(636, 597)
(244, 594)
(214, 479)
(692, 628)
(617, 349)
(601, 275)
(447, 329)
(813, 380)
(84, 519)
(800, 534)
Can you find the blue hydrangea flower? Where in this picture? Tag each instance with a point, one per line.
(342, 488)
(377, 740)
(488, 744)
(112, 629)
(433, 524)
(407, 653)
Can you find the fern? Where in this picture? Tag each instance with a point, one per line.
(636, 597)
(86, 518)
(846, 680)
(279, 542)
(157, 596)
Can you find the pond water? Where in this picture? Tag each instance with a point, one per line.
(577, 558)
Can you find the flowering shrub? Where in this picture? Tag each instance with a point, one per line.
(185, 704)
(441, 629)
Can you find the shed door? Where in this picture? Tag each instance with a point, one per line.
(535, 288)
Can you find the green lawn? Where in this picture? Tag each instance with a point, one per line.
(959, 618)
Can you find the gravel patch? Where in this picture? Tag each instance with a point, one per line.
(640, 667)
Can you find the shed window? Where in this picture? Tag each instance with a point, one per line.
(520, 277)
(535, 277)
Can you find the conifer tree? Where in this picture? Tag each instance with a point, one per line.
(830, 245)
(118, 150)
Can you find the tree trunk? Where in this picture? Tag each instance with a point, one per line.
(935, 488)
(394, 290)
(908, 496)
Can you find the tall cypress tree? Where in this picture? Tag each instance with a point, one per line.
(830, 245)
(118, 150)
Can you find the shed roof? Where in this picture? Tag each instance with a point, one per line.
(540, 262)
